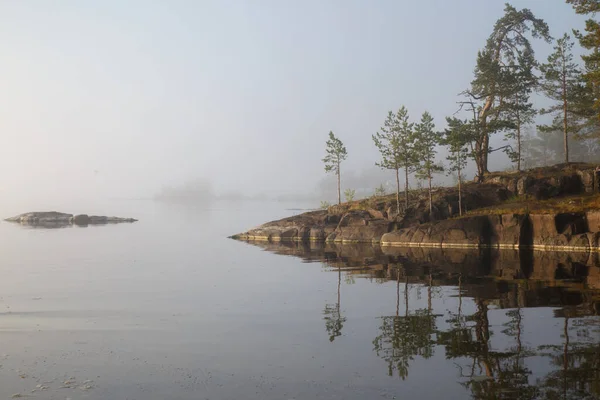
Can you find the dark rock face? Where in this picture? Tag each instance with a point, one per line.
(53, 219)
(466, 232)
(569, 231)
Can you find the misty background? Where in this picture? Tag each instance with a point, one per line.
(156, 99)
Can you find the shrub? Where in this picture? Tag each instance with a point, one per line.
(349, 194)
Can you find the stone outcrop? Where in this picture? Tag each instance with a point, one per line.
(356, 226)
(565, 231)
(548, 182)
(500, 231)
(53, 219)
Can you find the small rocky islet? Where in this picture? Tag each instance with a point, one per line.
(551, 208)
(52, 219)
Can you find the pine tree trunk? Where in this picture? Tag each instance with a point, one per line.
(485, 153)
(519, 146)
(339, 186)
(565, 121)
(518, 137)
(430, 198)
(479, 160)
(459, 191)
(398, 191)
(406, 186)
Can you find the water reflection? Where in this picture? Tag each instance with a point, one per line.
(484, 302)
(401, 338)
(334, 321)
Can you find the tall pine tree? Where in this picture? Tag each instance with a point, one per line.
(426, 141)
(336, 154)
(457, 137)
(507, 49)
(561, 82)
(396, 144)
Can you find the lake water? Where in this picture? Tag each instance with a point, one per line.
(168, 308)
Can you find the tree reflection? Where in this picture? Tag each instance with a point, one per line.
(334, 321)
(577, 375)
(402, 338)
(489, 374)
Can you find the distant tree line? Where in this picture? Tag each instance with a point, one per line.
(498, 101)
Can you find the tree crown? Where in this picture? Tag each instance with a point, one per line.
(336, 153)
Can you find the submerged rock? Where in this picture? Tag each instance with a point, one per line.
(58, 219)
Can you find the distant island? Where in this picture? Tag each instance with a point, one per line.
(53, 219)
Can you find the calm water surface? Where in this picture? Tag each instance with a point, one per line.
(168, 308)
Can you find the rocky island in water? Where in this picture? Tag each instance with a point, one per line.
(53, 219)
(552, 208)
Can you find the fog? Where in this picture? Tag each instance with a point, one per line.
(115, 99)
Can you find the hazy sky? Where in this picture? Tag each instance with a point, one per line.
(117, 98)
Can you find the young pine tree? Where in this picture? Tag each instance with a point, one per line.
(396, 144)
(336, 154)
(426, 141)
(457, 137)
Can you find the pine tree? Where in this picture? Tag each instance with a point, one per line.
(562, 82)
(426, 142)
(506, 50)
(519, 111)
(457, 137)
(590, 41)
(396, 144)
(336, 154)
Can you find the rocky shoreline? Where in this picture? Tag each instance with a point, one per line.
(573, 231)
(53, 219)
(374, 221)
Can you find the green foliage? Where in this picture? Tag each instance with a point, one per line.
(336, 153)
(396, 144)
(585, 6)
(349, 194)
(396, 141)
(426, 142)
(590, 40)
(325, 205)
(457, 137)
